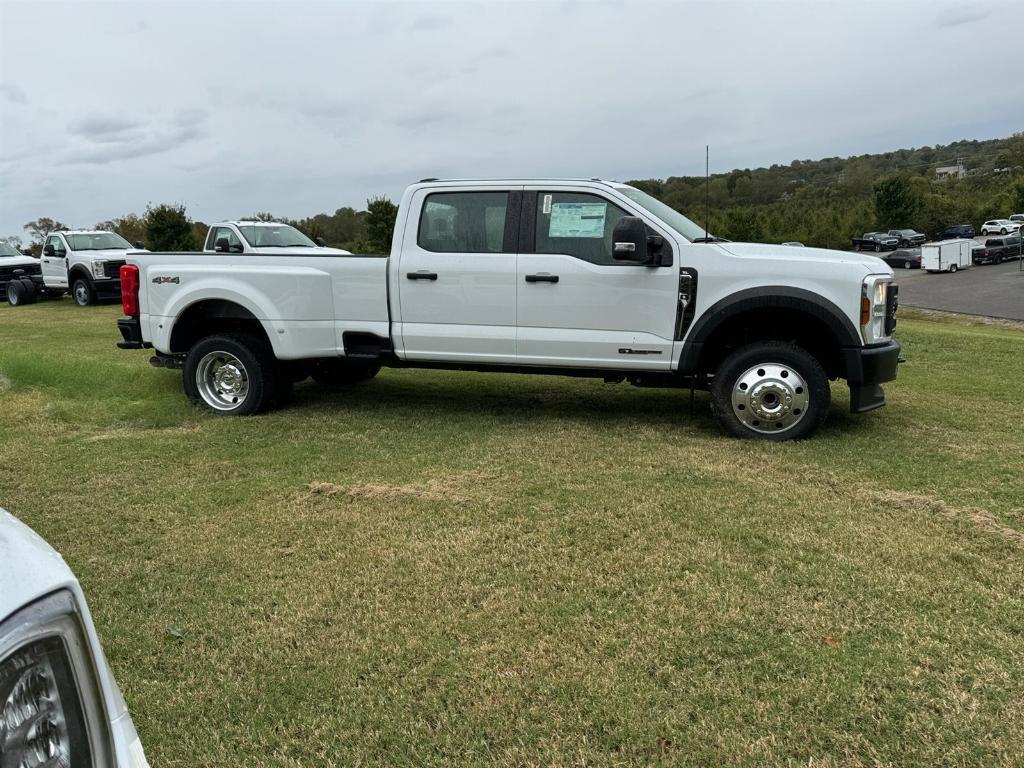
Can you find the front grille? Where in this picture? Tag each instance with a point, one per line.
(892, 303)
(113, 268)
(6, 273)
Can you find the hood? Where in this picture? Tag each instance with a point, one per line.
(17, 261)
(107, 253)
(759, 250)
(29, 567)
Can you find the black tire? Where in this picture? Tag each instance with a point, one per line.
(878, 248)
(1002, 231)
(82, 292)
(791, 359)
(908, 264)
(31, 291)
(247, 354)
(952, 268)
(856, 247)
(998, 259)
(15, 293)
(338, 374)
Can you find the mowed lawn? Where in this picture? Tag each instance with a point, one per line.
(475, 569)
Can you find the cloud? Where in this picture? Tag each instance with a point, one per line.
(13, 93)
(957, 16)
(430, 22)
(112, 139)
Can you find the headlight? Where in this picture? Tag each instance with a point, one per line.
(874, 304)
(99, 269)
(51, 711)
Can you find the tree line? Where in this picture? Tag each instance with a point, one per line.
(817, 202)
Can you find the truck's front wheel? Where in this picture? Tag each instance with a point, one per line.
(83, 292)
(232, 374)
(771, 390)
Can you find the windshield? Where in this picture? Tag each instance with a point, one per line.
(667, 214)
(274, 236)
(96, 241)
(9, 250)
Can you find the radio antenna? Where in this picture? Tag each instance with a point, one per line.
(707, 188)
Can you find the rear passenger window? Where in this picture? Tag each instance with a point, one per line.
(463, 222)
(576, 224)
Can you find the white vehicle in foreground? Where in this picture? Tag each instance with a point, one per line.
(85, 263)
(261, 237)
(20, 276)
(59, 704)
(999, 227)
(572, 277)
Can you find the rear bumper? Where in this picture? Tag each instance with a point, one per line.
(866, 369)
(131, 333)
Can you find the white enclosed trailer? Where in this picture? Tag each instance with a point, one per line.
(947, 256)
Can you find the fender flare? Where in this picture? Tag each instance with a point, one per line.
(765, 297)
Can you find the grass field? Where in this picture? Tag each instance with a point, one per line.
(466, 569)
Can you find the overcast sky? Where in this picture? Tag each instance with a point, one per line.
(303, 107)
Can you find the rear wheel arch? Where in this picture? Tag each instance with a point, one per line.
(779, 313)
(209, 317)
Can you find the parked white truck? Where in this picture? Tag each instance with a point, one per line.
(21, 276)
(262, 237)
(85, 263)
(573, 277)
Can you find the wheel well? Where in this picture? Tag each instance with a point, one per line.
(77, 272)
(211, 316)
(774, 324)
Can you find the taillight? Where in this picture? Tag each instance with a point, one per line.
(130, 289)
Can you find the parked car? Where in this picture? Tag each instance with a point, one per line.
(999, 249)
(903, 258)
(59, 703)
(999, 226)
(581, 278)
(908, 238)
(86, 262)
(876, 241)
(20, 276)
(956, 231)
(264, 237)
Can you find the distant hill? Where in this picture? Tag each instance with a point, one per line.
(824, 202)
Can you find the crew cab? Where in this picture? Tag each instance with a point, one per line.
(59, 702)
(21, 277)
(575, 277)
(908, 238)
(876, 241)
(998, 249)
(263, 237)
(86, 263)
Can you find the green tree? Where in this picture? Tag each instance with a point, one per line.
(381, 214)
(898, 201)
(130, 226)
(1018, 197)
(168, 228)
(41, 228)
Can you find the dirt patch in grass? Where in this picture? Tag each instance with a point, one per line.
(454, 488)
(976, 516)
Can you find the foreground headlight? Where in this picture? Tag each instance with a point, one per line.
(874, 302)
(51, 711)
(99, 269)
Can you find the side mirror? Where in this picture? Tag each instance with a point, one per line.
(629, 240)
(48, 250)
(139, 245)
(320, 241)
(222, 246)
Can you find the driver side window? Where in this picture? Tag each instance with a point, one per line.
(577, 224)
(58, 245)
(225, 233)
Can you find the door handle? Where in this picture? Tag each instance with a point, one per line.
(542, 278)
(421, 275)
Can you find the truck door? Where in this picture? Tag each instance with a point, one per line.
(54, 266)
(457, 276)
(579, 307)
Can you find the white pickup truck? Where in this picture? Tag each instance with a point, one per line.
(86, 263)
(266, 238)
(573, 277)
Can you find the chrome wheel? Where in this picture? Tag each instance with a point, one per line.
(81, 293)
(222, 381)
(770, 398)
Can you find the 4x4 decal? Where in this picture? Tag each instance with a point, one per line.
(164, 280)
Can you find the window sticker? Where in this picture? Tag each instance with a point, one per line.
(547, 204)
(577, 220)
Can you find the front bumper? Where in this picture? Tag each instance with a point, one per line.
(107, 288)
(866, 369)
